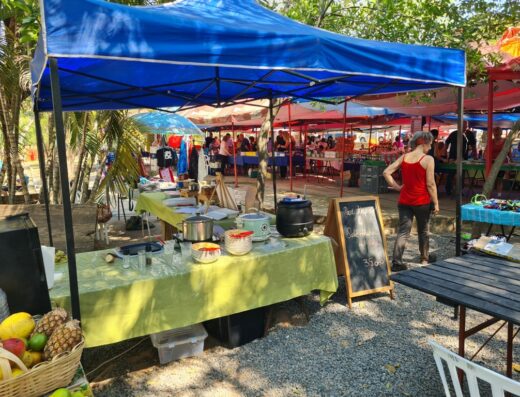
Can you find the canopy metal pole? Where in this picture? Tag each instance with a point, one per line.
(305, 136)
(489, 142)
(290, 148)
(64, 177)
(342, 165)
(271, 117)
(41, 161)
(460, 137)
(234, 154)
(370, 137)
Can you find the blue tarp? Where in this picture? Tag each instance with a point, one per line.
(353, 109)
(503, 120)
(166, 123)
(113, 56)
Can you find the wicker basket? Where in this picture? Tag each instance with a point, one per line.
(44, 377)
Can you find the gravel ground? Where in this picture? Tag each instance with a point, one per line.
(379, 348)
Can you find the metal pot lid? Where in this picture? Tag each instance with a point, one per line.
(256, 216)
(198, 219)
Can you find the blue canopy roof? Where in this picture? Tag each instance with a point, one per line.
(166, 123)
(353, 109)
(194, 52)
(503, 120)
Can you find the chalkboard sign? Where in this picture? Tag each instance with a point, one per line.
(356, 226)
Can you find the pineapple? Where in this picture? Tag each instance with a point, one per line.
(63, 339)
(50, 321)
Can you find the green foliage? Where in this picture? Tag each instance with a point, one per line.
(462, 24)
(25, 14)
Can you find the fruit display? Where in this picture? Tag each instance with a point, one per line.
(18, 325)
(25, 342)
(51, 321)
(60, 257)
(63, 339)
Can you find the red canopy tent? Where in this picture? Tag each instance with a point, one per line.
(507, 71)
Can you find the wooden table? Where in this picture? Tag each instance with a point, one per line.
(485, 284)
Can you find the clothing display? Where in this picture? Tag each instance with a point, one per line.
(166, 157)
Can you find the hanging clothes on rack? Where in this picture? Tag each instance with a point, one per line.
(182, 166)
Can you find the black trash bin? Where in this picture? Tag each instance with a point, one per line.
(238, 329)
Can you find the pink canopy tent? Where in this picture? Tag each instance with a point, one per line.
(506, 95)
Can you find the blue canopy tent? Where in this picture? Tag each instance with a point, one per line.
(354, 109)
(502, 120)
(96, 55)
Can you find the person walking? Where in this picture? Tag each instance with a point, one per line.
(224, 153)
(417, 197)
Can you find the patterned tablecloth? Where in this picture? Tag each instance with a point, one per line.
(477, 213)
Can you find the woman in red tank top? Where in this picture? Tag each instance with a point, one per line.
(417, 197)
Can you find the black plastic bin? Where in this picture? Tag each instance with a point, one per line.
(238, 329)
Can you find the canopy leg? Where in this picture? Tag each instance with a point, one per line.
(460, 137)
(41, 161)
(64, 178)
(342, 165)
(272, 151)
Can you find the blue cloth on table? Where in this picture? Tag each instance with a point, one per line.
(477, 213)
(280, 161)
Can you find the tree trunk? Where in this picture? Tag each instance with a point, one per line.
(81, 155)
(55, 188)
(89, 163)
(263, 155)
(495, 169)
(17, 170)
(99, 174)
(49, 156)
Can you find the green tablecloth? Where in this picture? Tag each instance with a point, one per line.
(476, 166)
(153, 203)
(118, 304)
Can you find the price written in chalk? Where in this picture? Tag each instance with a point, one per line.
(373, 262)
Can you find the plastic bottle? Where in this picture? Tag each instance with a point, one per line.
(4, 308)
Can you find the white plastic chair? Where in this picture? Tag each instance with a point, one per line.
(498, 383)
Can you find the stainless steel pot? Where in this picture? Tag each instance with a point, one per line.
(197, 228)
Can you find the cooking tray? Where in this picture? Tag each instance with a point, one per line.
(133, 249)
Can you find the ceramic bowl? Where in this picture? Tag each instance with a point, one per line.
(205, 252)
(238, 241)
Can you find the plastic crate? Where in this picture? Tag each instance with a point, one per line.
(373, 184)
(178, 343)
(371, 170)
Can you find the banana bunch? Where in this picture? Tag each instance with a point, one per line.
(60, 257)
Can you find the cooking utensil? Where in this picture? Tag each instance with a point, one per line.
(294, 217)
(197, 228)
(257, 222)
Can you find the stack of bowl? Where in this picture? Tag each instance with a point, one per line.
(238, 241)
(205, 252)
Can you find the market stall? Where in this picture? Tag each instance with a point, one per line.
(119, 304)
(231, 52)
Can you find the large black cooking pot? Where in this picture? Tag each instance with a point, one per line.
(294, 217)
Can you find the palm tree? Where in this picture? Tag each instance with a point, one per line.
(14, 88)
